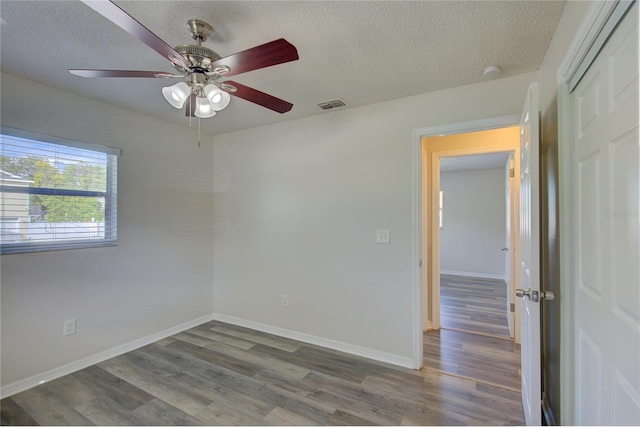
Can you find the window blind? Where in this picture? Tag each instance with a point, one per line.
(55, 193)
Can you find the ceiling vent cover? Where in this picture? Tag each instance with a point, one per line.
(336, 103)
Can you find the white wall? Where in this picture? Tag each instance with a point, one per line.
(474, 223)
(159, 276)
(301, 204)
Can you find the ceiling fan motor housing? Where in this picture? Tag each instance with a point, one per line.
(199, 57)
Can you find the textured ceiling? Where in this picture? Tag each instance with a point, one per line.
(360, 52)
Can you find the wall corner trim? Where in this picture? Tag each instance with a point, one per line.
(27, 383)
(405, 362)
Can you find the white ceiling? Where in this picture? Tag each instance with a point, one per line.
(360, 52)
(477, 161)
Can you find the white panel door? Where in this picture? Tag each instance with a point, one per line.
(606, 209)
(530, 258)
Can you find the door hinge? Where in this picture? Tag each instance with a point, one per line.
(512, 173)
(512, 308)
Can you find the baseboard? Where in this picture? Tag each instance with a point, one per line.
(69, 368)
(405, 362)
(467, 274)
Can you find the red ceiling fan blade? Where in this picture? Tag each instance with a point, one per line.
(190, 110)
(122, 73)
(257, 97)
(125, 21)
(266, 55)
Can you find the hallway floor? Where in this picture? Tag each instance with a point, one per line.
(474, 304)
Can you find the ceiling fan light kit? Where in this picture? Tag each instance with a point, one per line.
(217, 98)
(203, 108)
(177, 94)
(201, 67)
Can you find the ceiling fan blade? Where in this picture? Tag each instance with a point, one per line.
(190, 110)
(125, 21)
(253, 95)
(266, 55)
(122, 73)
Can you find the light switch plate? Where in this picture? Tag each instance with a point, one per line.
(382, 236)
(69, 327)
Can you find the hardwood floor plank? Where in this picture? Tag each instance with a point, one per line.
(379, 406)
(120, 392)
(49, 409)
(282, 417)
(286, 368)
(12, 414)
(240, 366)
(206, 332)
(341, 418)
(265, 339)
(309, 361)
(481, 358)
(103, 411)
(220, 414)
(160, 413)
(300, 404)
(238, 389)
(188, 398)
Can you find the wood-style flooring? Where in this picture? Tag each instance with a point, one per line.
(220, 374)
(485, 359)
(474, 304)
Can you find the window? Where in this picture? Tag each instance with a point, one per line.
(441, 220)
(55, 193)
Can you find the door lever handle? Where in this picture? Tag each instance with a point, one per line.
(535, 295)
(531, 295)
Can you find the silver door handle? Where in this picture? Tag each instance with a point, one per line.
(535, 295)
(531, 295)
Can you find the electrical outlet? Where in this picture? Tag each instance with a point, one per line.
(69, 327)
(382, 236)
(285, 301)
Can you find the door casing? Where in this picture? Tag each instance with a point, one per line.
(420, 242)
(434, 151)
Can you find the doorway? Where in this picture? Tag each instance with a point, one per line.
(439, 151)
(475, 266)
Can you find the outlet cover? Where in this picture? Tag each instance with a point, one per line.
(382, 236)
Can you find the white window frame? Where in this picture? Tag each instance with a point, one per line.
(110, 196)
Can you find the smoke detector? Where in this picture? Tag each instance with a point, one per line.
(492, 71)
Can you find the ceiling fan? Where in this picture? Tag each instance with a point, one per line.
(200, 67)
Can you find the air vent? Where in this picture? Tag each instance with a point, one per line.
(336, 103)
